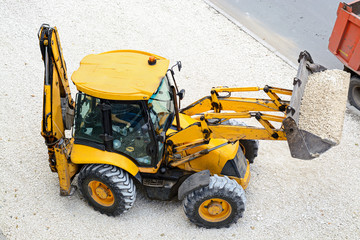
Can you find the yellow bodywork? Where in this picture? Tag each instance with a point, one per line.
(214, 160)
(52, 125)
(82, 154)
(200, 139)
(120, 75)
(65, 169)
(128, 75)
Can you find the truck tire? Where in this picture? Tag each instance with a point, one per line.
(215, 206)
(108, 189)
(354, 92)
(250, 149)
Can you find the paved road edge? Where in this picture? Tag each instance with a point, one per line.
(252, 34)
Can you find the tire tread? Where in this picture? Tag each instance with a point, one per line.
(218, 186)
(116, 179)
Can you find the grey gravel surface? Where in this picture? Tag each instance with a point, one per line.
(286, 198)
(2, 236)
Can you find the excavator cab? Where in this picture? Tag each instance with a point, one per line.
(135, 129)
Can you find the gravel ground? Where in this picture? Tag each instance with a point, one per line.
(287, 198)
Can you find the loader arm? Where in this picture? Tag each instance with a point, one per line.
(218, 103)
(212, 107)
(302, 144)
(58, 107)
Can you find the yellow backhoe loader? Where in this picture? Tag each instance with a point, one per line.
(127, 127)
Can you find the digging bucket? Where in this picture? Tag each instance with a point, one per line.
(303, 144)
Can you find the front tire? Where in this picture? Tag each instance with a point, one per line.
(215, 206)
(108, 189)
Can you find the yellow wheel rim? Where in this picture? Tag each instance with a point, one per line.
(101, 193)
(215, 210)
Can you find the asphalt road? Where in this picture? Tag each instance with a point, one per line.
(290, 26)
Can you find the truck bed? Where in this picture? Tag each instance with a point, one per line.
(344, 40)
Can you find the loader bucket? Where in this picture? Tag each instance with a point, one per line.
(303, 144)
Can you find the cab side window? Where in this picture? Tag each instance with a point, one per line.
(88, 123)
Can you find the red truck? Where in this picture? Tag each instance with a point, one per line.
(344, 43)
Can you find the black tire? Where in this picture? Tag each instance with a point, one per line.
(108, 189)
(250, 149)
(354, 92)
(202, 206)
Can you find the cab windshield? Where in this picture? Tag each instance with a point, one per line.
(161, 107)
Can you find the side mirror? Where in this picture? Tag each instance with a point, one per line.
(179, 65)
(181, 94)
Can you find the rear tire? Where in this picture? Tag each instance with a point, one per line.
(215, 206)
(354, 92)
(250, 149)
(108, 189)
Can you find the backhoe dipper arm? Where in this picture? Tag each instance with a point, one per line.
(58, 107)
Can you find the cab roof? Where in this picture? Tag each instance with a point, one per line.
(120, 75)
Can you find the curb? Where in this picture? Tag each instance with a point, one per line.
(252, 34)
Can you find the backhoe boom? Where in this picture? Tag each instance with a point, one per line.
(58, 107)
